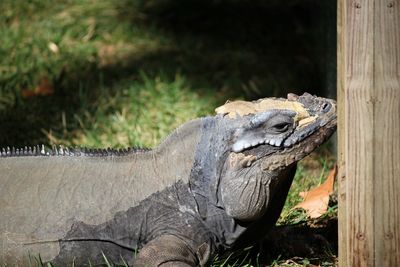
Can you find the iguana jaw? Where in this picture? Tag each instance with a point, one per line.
(290, 155)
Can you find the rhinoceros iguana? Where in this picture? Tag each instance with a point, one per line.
(215, 183)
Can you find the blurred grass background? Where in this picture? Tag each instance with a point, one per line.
(127, 72)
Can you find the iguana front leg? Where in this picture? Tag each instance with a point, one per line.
(166, 251)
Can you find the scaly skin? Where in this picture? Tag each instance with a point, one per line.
(216, 183)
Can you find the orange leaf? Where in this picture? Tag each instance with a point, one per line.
(316, 200)
(44, 88)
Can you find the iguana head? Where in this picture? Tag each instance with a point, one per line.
(266, 138)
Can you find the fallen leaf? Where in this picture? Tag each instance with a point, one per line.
(316, 201)
(44, 88)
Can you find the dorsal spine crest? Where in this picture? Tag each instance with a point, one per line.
(41, 150)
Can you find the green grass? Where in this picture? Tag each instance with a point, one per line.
(101, 97)
(126, 73)
(140, 113)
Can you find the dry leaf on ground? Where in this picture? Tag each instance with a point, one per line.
(44, 88)
(316, 201)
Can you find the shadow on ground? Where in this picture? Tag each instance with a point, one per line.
(313, 242)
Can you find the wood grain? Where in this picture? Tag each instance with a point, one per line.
(342, 228)
(369, 146)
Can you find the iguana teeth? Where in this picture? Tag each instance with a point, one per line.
(291, 142)
(274, 142)
(278, 142)
(42, 150)
(239, 147)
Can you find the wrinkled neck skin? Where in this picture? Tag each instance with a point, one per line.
(247, 191)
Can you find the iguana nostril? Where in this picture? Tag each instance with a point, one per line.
(325, 107)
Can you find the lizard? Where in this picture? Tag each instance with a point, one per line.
(214, 184)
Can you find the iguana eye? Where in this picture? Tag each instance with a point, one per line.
(281, 127)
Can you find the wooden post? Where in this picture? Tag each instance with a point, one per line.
(369, 132)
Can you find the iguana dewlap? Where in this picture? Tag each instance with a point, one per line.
(215, 183)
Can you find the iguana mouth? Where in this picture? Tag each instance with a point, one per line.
(275, 142)
(286, 141)
(276, 157)
(281, 143)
